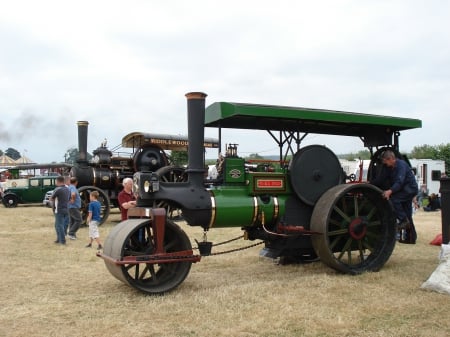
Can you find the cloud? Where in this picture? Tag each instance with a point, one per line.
(125, 67)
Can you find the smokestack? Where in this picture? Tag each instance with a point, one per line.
(82, 142)
(196, 135)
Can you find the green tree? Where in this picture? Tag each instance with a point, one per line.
(444, 154)
(424, 152)
(210, 161)
(436, 152)
(71, 155)
(362, 154)
(179, 158)
(13, 153)
(1, 153)
(254, 156)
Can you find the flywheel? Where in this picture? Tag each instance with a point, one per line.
(314, 169)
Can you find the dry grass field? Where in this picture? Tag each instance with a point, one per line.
(50, 290)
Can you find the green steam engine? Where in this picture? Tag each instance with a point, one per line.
(304, 209)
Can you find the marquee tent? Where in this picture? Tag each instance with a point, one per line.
(6, 161)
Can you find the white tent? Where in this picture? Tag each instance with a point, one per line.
(6, 161)
(24, 160)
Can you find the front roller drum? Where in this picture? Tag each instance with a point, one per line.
(357, 226)
(135, 238)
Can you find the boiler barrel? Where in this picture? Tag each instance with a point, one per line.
(103, 178)
(233, 207)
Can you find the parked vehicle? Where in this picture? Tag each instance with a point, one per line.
(47, 199)
(33, 192)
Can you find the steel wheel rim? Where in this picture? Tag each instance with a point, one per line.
(135, 238)
(358, 228)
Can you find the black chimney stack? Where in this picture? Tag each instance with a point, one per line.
(82, 142)
(196, 135)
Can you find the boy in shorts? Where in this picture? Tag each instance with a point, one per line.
(94, 219)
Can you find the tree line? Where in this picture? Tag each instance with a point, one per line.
(11, 153)
(436, 152)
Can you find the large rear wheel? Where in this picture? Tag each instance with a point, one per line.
(357, 226)
(135, 237)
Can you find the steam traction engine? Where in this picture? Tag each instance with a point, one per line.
(105, 172)
(305, 210)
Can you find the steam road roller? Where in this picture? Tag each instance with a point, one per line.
(302, 207)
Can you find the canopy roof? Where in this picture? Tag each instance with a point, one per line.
(31, 166)
(166, 142)
(285, 118)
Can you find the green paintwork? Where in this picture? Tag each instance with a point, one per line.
(35, 191)
(235, 203)
(283, 118)
(234, 206)
(234, 170)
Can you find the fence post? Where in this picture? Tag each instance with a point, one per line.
(445, 209)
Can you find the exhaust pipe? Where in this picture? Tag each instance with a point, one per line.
(196, 135)
(82, 142)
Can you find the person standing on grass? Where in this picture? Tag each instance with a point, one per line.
(74, 209)
(94, 219)
(401, 190)
(60, 198)
(66, 224)
(126, 198)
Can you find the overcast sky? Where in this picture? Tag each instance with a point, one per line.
(125, 66)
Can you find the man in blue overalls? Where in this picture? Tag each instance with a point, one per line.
(401, 189)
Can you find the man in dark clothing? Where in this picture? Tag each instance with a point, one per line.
(60, 198)
(75, 219)
(402, 188)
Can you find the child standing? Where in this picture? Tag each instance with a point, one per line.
(93, 219)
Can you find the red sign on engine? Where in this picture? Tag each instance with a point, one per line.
(269, 183)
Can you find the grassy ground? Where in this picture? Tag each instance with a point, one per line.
(50, 290)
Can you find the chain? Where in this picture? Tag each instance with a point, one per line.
(237, 249)
(228, 241)
(231, 250)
